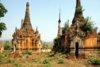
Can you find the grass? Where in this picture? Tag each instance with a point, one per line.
(1, 57)
(10, 60)
(18, 64)
(60, 61)
(28, 52)
(94, 61)
(42, 60)
(45, 61)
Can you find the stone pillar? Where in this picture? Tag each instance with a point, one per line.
(14, 47)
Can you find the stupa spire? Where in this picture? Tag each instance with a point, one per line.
(59, 21)
(27, 22)
(59, 25)
(78, 16)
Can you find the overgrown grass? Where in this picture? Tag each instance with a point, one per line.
(43, 60)
(10, 60)
(46, 62)
(28, 52)
(94, 61)
(1, 57)
(60, 61)
(18, 64)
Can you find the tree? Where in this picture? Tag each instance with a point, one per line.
(88, 25)
(2, 27)
(7, 45)
(3, 11)
(66, 25)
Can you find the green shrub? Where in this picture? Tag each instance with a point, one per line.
(34, 60)
(60, 61)
(45, 61)
(20, 55)
(7, 45)
(1, 57)
(10, 60)
(27, 56)
(94, 61)
(47, 65)
(28, 52)
(18, 64)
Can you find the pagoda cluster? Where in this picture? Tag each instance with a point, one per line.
(78, 34)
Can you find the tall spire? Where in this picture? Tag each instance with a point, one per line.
(78, 8)
(27, 22)
(78, 16)
(59, 25)
(78, 3)
(59, 21)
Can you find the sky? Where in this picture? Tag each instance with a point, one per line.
(44, 14)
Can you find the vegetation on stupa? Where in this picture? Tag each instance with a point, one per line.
(88, 25)
(65, 27)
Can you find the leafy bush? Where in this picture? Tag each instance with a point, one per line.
(18, 64)
(94, 61)
(1, 57)
(60, 61)
(34, 60)
(45, 61)
(28, 52)
(10, 60)
(7, 45)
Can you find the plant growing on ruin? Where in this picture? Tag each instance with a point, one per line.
(88, 25)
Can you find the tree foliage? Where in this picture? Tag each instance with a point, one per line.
(3, 11)
(7, 45)
(2, 27)
(88, 25)
(66, 25)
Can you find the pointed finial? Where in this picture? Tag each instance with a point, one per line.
(59, 16)
(22, 21)
(78, 13)
(37, 29)
(68, 23)
(78, 3)
(15, 28)
(27, 4)
(59, 13)
(78, 6)
(27, 14)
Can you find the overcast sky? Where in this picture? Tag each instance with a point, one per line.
(44, 14)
